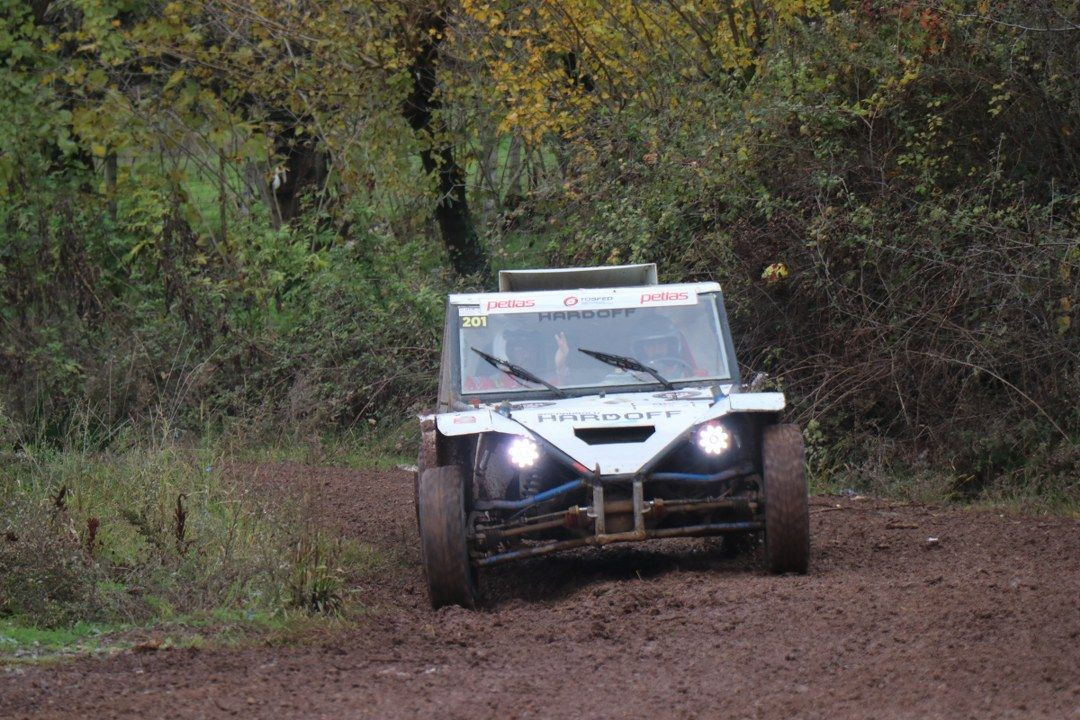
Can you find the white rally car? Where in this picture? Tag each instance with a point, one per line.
(592, 406)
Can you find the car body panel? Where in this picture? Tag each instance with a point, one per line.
(670, 413)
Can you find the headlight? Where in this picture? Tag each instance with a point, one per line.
(523, 452)
(713, 439)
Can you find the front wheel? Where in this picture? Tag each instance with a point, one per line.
(787, 505)
(444, 547)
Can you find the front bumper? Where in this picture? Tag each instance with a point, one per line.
(603, 521)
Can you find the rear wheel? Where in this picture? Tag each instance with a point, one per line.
(444, 549)
(787, 507)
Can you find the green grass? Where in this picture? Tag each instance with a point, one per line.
(203, 192)
(1043, 495)
(22, 641)
(365, 447)
(19, 636)
(101, 547)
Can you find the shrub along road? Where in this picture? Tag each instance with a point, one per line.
(982, 622)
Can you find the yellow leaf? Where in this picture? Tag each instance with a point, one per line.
(176, 77)
(775, 273)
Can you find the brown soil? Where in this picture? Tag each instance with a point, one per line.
(983, 623)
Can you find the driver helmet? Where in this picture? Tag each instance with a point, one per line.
(659, 339)
(525, 347)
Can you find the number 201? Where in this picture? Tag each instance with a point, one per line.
(472, 321)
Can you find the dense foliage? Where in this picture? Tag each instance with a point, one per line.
(251, 211)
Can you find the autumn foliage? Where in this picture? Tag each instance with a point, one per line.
(250, 210)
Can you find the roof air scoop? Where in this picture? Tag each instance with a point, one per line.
(578, 278)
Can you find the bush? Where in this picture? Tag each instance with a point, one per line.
(44, 571)
(894, 221)
(150, 532)
(310, 333)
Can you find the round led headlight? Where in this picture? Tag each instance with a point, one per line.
(713, 439)
(523, 452)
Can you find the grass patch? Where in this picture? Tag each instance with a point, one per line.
(97, 547)
(370, 447)
(1029, 490)
(22, 641)
(18, 636)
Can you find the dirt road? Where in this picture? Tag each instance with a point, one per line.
(983, 623)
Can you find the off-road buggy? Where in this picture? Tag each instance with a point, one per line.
(593, 406)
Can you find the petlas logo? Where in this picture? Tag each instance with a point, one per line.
(510, 304)
(666, 296)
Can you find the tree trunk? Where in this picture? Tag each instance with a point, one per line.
(110, 183)
(512, 193)
(463, 246)
(304, 168)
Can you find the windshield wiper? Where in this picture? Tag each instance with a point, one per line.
(624, 362)
(517, 371)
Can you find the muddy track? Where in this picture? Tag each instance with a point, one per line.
(983, 623)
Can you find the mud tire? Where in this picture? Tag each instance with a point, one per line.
(444, 549)
(787, 506)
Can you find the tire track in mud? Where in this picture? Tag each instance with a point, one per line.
(982, 623)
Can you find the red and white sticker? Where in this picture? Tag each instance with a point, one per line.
(654, 296)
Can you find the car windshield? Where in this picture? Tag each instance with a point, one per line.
(680, 342)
